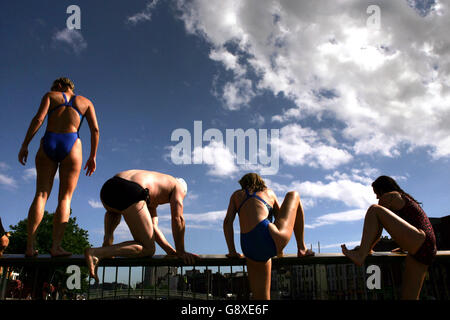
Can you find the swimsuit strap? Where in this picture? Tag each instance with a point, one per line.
(67, 104)
(254, 195)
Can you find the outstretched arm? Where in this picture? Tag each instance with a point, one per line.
(178, 227)
(228, 229)
(95, 137)
(159, 236)
(35, 124)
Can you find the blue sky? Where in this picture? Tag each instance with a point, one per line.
(351, 100)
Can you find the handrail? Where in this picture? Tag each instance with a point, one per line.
(204, 260)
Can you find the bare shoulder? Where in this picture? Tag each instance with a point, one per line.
(84, 100)
(271, 193)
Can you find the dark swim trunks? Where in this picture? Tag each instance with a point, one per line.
(414, 214)
(119, 193)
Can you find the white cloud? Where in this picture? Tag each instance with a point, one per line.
(71, 37)
(95, 204)
(8, 181)
(333, 218)
(353, 190)
(145, 15)
(29, 174)
(303, 146)
(388, 88)
(220, 160)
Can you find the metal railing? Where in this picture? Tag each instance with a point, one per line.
(326, 276)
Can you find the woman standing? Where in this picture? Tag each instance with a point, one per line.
(61, 149)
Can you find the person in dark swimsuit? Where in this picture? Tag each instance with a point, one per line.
(61, 149)
(261, 239)
(135, 195)
(404, 219)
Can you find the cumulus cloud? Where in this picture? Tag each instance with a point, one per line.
(71, 37)
(303, 146)
(387, 88)
(220, 160)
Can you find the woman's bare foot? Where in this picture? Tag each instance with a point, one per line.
(305, 253)
(29, 253)
(59, 252)
(357, 248)
(92, 262)
(354, 255)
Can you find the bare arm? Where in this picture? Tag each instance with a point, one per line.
(35, 124)
(95, 137)
(228, 229)
(159, 236)
(391, 200)
(178, 227)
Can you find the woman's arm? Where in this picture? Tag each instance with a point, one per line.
(95, 137)
(391, 200)
(276, 204)
(35, 124)
(228, 229)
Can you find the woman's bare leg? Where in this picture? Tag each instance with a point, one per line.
(69, 171)
(290, 219)
(413, 277)
(139, 221)
(406, 235)
(45, 170)
(259, 275)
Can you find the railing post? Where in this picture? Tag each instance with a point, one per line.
(129, 281)
(4, 282)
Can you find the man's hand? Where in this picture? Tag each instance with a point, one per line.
(188, 258)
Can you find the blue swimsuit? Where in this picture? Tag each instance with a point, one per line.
(258, 244)
(58, 145)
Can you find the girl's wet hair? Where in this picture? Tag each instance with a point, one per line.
(252, 182)
(64, 83)
(384, 184)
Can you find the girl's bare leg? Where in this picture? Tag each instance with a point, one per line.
(259, 275)
(69, 171)
(46, 170)
(406, 235)
(290, 219)
(413, 277)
